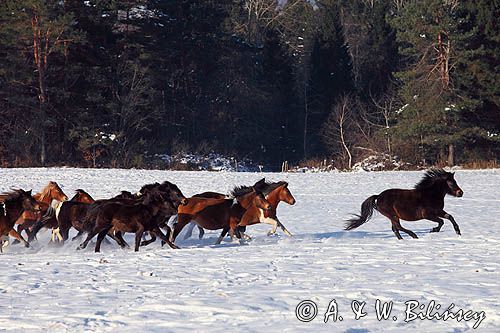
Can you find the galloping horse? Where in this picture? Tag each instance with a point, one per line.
(191, 226)
(218, 215)
(61, 228)
(29, 219)
(275, 192)
(71, 212)
(14, 204)
(123, 217)
(425, 201)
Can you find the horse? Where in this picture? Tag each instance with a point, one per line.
(425, 201)
(15, 203)
(29, 220)
(71, 212)
(191, 225)
(174, 192)
(173, 198)
(61, 229)
(126, 195)
(213, 216)
(122, 217)
(274, 192)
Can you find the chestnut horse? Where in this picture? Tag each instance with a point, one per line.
(275, 192)
(30, 220)
(218, 215)
(14, 205)
(191, 225)
(425, 201)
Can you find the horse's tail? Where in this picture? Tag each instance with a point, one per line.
(367, 208)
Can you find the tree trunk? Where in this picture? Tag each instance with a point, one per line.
(306, 116)
(451, 155)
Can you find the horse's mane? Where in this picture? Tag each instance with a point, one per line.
(9, 196)
(430, 178)
(267, 187)
(238, 191)
(46, 191)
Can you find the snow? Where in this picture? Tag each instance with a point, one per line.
(256, 287)
(209, 162)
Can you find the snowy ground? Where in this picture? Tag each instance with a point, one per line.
(256, 287)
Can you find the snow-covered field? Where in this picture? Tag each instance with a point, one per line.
(256, 287)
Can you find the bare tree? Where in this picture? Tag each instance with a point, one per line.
(49, 36)
(336, 132)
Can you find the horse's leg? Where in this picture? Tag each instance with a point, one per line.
(87, 240)
(18, 236)
(222, 235)
(149, 241)
(120, 240)
(439, 221)
(271, 221)
(400, 227)
(64, 234)
(165, 239)
(80, 234)
(452, 220)
(396, 232)
(201, 232)
(285, 230)
(181, 223)
(100, 237)
(395, 229)
(138, 236)
(56, 235)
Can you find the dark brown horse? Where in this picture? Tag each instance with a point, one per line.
(72, 212)
(121, 217)
(14, 204)
(29, 219)
(425, 201)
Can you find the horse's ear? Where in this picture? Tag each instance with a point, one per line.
(260, 182)
(29, 192)
(452, 174)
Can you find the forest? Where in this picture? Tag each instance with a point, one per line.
(104, 83)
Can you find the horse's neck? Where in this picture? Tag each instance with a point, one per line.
(246, 200)
(436, 191)
(42, 197)
(149, 211)
(13, 210)
(273, 198)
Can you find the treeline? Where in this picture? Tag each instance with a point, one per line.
(112, 83)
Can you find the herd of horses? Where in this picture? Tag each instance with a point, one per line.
(148, 211)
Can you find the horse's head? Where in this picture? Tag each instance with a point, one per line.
(452, 186)
(56, 193)
(285, 195)
(82, 196)
(28, 202)
(126, 195)
(148, 187)
(174, 192)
